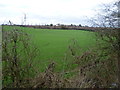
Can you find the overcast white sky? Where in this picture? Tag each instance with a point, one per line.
(48, 11)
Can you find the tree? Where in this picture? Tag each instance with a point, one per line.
(51, 24)
(17, 58)
(109, 25)
(80, 25)
(119, 42)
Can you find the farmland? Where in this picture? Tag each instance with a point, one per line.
(57, 55)
(53, 44)
(45, 45)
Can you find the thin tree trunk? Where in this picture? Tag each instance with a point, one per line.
(118, 44)
(118, 58)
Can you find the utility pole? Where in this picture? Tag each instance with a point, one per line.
(25, 19)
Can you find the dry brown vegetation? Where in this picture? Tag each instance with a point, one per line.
(96, 68)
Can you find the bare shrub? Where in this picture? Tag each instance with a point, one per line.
(17, 58)
(96, 68)
(48, 79)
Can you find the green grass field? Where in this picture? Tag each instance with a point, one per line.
(53, 44)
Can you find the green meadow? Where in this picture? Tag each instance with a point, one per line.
(54, 44)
